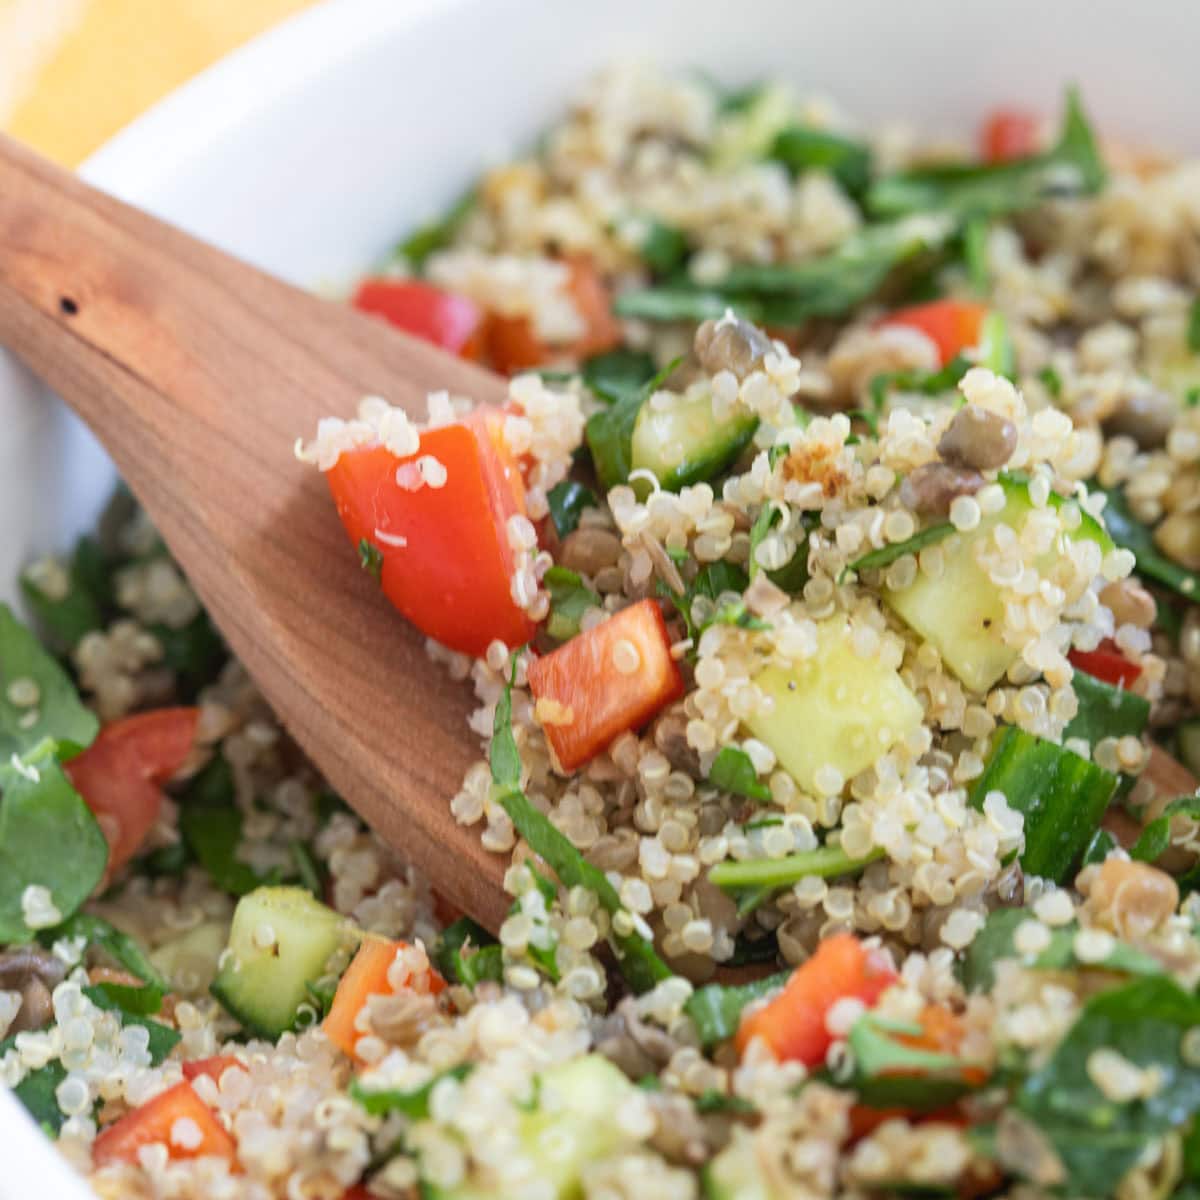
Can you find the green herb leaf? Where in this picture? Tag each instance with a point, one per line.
(733, 771)
(1156, 835)
(997, 351)
(1105, 711)
(58, 712)
(1127, 531)
(716, 1010)
(826, 862)
(570, 598)
(63, 620)
(567, 500)
(308, 871)
(886, 555)
(104, 936)
(975, 239)
(919, 383)
(195, 652)
(37, 1093)
(48, 837)
(1052, 380)
(803, 148)
(370, 558)
(414, 1105)
(887, 1073)
(970, 189)
(437, 235)
(142, 1001)
(1193, 327)
(664, 248)
(639, 962)
(467, 954)
(619, 374)
(1098, 849)
(609, 432)
(1099, 1139)
(163, 1039)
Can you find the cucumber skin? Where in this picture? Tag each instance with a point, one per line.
(707, 451)
(1061, 795)
(301, 924)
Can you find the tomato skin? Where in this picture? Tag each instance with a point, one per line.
(1106, 663)
(120, 775)
(152, 1122)
(1010, 133)
(792, 1023)
(513, 345)
(454, 322)
(213, 1067)
(452, 577)
(601, 702)
(952, 325)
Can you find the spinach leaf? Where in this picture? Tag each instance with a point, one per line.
(637, 958)
(1105, 711)
(57, 714)
(467, 954)
(803, 148)
(37, 1093)
(995, 941)
(616, 375)
(163, 1039)
(437, 235)
(716, 1010)
(567, 500)
(967, 189)
(1098, 1139)
(143, 1001)
(413, 1104)
(62, 620)
(825, 862)
(195, 652)
(569, 600)
(886, 555)
(48, 837)
(120, 947)
(1127, 531)
(732, 771)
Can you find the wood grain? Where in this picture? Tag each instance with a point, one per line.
(198, 373)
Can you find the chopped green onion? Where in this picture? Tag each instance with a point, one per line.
(826, 862)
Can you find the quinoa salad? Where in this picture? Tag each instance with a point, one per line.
(828, 586)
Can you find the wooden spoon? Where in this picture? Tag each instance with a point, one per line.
(198, 373)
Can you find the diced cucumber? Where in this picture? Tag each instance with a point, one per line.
(961, 612)
(835, 709)
(747, 134)
(1061, 795)
(573, 1124)
(1105, 711)
(678, 438)
(281, 939)
(737, 1174)
(189, 961)
(1189, 744)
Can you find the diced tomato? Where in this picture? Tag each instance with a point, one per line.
(604, 681)
(456, 323)
(176, 1118)
(514, 346)
(213, 1067)
(120, 775)
(358, 1192)
(1106, 663)
(952, 325)
(366, 976)
(1010, 133)
(792, 1023)
(446, 560)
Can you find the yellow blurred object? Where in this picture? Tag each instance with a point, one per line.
(113, 60)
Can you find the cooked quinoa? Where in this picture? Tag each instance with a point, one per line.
(831, 613)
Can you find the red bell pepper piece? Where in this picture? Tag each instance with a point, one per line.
(176, 1118)
(120, 775)
(792, 1023)
(952, 325)
(514, 346)
(446, 561)
(213, 1067)
(1010, 133)
(604, 681)
(1106, 663)
(456, 323)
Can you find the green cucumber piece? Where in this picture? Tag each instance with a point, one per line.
(737, 1174)
(834, 709)
(747, 134)
(680, 441)
(961, 612)
(573, 1124)
(1061, 795)
(1189, 744)
(263, 979)
(1105, 711)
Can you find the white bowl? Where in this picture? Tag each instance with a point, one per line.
(310, 150)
